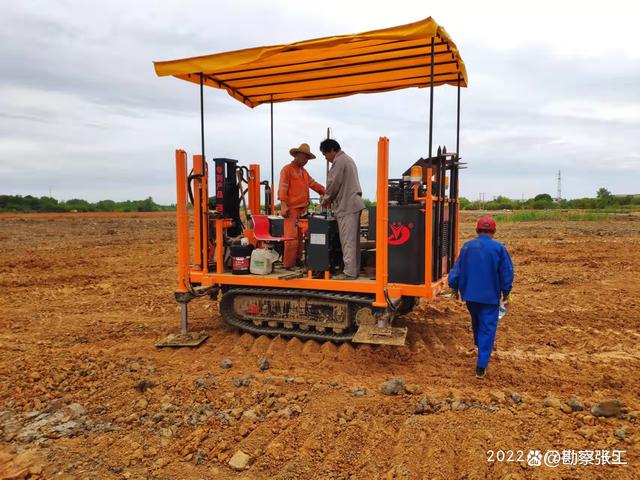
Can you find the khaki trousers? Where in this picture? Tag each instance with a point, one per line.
(349, 228)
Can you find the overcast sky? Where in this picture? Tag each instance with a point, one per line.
(552, 86)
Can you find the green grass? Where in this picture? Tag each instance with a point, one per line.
(615, 209)
(559, 215)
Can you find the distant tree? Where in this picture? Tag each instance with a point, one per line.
(582, 203)
(502, 203)
(623, 200)
(12, 203)
(29, 203)
(542, 201)
(106, 206)
(604, 197)
(147, 205)
(79, 205)
(369, 203)
(543, 204)
(543, 196)
(49, 204)
(475, 205)
(464, 203)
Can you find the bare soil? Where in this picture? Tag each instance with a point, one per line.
(85, 394)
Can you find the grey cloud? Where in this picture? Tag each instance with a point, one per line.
(89, 114)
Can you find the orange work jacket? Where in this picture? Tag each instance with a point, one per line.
(293, 189)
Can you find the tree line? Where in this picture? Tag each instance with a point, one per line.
(603, 199)
(28, 203)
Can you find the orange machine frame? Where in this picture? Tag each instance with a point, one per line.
(419, 54)
(196, 272)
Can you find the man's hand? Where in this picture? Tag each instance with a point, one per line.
(505, 297)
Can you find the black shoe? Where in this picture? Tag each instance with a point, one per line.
(481, 372)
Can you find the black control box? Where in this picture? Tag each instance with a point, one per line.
(323, 244)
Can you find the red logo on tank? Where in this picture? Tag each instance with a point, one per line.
(400, 233)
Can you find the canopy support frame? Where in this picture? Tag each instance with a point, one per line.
(226, 86)
(431, 98)
(202, 114)
(458, 120)
(272, 206)
(202, 169)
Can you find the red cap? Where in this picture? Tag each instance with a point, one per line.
(486, 223)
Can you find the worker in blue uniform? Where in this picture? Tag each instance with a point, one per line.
(482, 273)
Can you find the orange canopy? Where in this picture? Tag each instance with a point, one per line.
(330, 67)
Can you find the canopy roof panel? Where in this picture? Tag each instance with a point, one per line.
(330, 67)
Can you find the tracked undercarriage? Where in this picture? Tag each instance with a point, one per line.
(305, 314)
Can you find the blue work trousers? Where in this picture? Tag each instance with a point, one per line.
(484, 322)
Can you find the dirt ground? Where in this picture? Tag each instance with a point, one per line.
(85, 394)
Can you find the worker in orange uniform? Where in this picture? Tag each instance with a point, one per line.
(293, 193)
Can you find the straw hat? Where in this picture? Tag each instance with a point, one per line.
(303, 148)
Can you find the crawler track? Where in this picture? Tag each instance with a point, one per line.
(234, 319)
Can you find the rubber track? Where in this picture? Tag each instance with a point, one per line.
(230, 316)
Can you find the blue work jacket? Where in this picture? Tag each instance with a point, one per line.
(482, 271)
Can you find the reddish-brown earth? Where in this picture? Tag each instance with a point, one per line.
(85, 394)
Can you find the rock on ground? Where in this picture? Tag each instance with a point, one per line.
(608, 408)
(552, 402)
(393, 386)
(575, 404)
(263, 363)
(240, 460)
(426, 405)
(620, 433)
(242, 381)
(498, 397)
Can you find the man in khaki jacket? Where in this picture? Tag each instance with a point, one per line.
(344, 194)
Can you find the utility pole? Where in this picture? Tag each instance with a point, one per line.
(559, 194)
